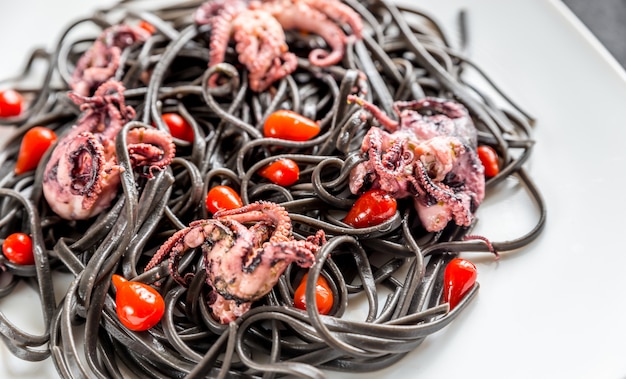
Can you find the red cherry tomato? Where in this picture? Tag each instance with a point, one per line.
(139, 306)
(289, 125)
(18, 248)
(34, 145)
(372, 208)
(283, 172)
(178, 126)
(324, 298)
(10, 103)
(489, 158)
(458, 278)
(222, 198)
(148, 27)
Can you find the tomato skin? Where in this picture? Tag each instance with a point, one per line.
(178, 126)
(18, 248)
(11, 103)
(324, 298)
(220, 198)
(34, 145)
(289, 125)
(148, 27)
(489, 158)
(372, 208)
(283, 172)
(139, 306)
(458, 278)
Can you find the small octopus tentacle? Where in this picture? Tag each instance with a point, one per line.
(380, 160)
(260, 38)
(221, 29)
(341, 13)
(196, 234)
(300, 252)
(206, 11)
(334, 37)
(458, 203)
(281, 67)
(298, 15)
(392, 157)
(261, 211)
(106, 111)
(262, 48)
(101, 61)
(318, 239)
(91, 70)
(490, 247)
(387, 122)
(150, 147)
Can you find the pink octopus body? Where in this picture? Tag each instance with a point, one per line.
(429, 155)
(242, 263)
(258, 29)
(82, 176)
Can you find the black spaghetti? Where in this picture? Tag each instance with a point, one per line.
(401, 57)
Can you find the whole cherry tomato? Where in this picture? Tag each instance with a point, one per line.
(458, 278)
(283, 172)
(18, 248)
(139, 306)
(178, 126)
(324, 298)
(489, 158)
(289, 125)
(372, 208)
(10, 103)
(34, 145)
(222, 198)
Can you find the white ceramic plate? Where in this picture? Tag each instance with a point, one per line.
(555, 309)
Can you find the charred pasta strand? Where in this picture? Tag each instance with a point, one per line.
(398, 123)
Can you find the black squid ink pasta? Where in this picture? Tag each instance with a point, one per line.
(395, 269)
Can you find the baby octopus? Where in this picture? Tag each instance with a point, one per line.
(242, 263)
(258, 29)
(429, 155)
(82, 176)
(101, 61)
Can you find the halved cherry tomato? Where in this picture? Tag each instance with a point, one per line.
(139, 306)
(289, 125)
(221, 198)
(148, 27)
(489, 158)
(34, 145)
(372, 208)
(283, 172)
(458, 278)
(18, 248)
(178, 126)
(10, 103)
(323, 295)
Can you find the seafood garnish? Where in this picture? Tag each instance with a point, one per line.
(258, 29)
(101, 61)
(242, 263)
(82, 176)
(429, 154)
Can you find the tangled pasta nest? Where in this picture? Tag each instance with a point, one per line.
(403, 54)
